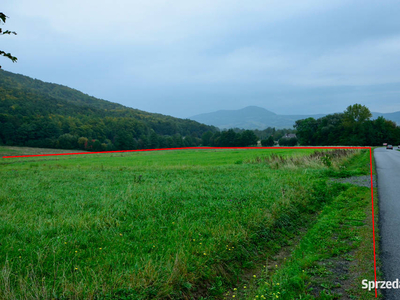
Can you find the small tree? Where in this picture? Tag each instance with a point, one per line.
(97, 145)
(248, 138)
(3, 18)
(287, 141)
(206, 138)
(356, 113)
(269, 142)
(82, 141)
(67, 141)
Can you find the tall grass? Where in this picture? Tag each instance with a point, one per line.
(317, 159)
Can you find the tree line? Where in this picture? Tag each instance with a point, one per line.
(229, 138)
(110, 133)
(353, 127)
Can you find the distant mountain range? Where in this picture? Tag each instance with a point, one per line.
(254, 117)
(394, 116)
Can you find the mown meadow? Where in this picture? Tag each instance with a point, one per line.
(183, 224)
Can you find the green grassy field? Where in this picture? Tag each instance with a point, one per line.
(156, 225)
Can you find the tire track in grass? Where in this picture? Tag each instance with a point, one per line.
(329, 262)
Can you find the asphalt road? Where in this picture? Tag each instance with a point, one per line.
(388, 171)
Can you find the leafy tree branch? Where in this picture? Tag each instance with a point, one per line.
(3, 18)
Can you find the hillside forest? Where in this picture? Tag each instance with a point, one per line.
(39, 114)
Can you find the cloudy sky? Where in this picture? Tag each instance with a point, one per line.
(187, 57)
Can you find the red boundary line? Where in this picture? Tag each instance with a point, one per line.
(205, 148)
(373, 218)
(186, 148)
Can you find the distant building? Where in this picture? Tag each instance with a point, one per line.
(289, 136)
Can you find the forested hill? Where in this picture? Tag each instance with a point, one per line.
(40, 114)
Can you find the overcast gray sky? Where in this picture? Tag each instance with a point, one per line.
(183, 58)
